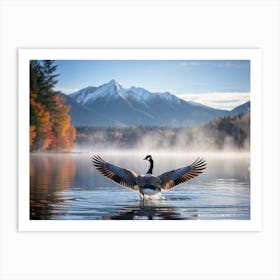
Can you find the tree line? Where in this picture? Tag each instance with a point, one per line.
(227, 133)
(50, 123)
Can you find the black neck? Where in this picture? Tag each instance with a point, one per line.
(151, 166)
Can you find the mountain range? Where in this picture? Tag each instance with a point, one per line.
(111, 105)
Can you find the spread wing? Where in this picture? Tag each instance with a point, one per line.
(174, 177)
(123, 177)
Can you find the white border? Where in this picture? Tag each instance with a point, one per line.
(254, 55)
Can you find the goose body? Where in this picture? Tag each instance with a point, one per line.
(148, 185)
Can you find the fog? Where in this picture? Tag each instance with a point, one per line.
(230, 134)
(200, 141)
(162, 140)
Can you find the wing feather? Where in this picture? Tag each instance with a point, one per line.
(122, 176)
(174, 177)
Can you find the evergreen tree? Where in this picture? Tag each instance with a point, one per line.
(48, 83)
(50, 126)
(50, 76)
(36, 76)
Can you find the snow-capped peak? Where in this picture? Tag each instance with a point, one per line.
(113, 83)
(113, 90)
(140, 94)
(83, 95)
(170, 97)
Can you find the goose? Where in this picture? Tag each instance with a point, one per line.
(148, 185)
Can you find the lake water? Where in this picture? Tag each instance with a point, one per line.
(67, 186)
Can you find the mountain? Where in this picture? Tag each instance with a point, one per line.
(83, 95)
(112, 105)
(246, 107)
(83, 116)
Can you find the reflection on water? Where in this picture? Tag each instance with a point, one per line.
(66, 186)
(49, 174)
(147, 210)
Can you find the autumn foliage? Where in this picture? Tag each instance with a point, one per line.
(50, 123)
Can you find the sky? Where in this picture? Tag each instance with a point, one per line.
(222, 84)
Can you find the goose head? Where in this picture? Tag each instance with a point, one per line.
(148, 157)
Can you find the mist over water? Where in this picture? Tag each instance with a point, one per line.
(231, 134)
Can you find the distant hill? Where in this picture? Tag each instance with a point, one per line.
(246, 107)
(233, 130)
(81, 115)
(111, 105)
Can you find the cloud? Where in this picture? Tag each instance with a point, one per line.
(218, 100)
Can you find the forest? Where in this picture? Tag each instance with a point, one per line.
(227, 133)
(50, 122)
